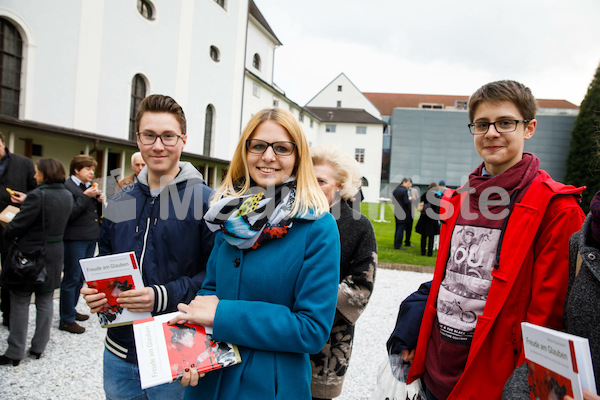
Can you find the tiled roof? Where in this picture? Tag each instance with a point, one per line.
(386, 102)
(560, 104)
(343, 115)
(255, 12)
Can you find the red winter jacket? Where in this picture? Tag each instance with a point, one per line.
(530, 285)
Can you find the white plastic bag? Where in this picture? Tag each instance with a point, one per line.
(391, 381)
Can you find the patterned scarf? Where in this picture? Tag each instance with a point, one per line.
(250, 220)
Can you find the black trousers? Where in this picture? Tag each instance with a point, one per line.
(409, 226)
(4, 293)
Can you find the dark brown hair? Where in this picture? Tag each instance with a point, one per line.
(81, 161)
(498, 91)
(161, 103)
(52, 169)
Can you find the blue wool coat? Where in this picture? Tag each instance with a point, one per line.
(277, 304)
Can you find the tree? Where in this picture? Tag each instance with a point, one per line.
(583, 162)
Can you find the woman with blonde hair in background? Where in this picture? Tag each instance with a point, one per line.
(271, 283)
(339, 177)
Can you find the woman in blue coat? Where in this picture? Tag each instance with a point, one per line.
(272, 277)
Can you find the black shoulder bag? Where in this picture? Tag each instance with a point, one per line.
(28, 268)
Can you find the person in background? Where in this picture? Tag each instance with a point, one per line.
(166, 230)
(502, 260)
(413, 196)
(272, 278)
(52, 202)
(442, 186)
(582, 306)
(80, 238)
(402, 211)
(339, 177)
(16, 174)
(137, 164)
(428, 225)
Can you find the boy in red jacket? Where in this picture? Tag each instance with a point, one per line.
(503, 255)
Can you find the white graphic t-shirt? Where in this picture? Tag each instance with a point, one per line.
(466, 285)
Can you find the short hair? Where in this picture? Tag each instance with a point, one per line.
(81, 161)
(404, 180)
(160, 103)
(309, 196)
(432, 185)
(2, 137)
(347, 171)
(136, 154)
(498, 91)
(52, 170)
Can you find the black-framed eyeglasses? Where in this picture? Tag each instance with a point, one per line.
(501, 126)
(167, 139)
(258, 146)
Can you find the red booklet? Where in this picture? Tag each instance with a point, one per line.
(164, 351)
(558, 363)
(112, 275)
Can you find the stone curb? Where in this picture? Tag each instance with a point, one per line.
(407, 267)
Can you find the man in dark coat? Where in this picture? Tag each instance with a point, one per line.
(16, 173)
(402, 211)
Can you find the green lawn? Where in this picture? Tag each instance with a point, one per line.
(384, 234)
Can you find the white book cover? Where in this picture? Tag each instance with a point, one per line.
(558, 363)
(164, 351)
(112, 275)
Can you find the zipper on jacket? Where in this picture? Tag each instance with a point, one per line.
(504, 224)
(146, 233)
(144, 247)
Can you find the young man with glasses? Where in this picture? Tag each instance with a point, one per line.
(161, 219)
(503, 257)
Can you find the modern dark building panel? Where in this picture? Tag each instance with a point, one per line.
(429, 145)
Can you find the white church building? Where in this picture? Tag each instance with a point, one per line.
(74, 73)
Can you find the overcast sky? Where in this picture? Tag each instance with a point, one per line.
(435, 46)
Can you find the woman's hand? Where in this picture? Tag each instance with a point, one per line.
(18, 197)
(587, 395)
(190, 376)
(94, 300)
(200, 311)
(91, 192)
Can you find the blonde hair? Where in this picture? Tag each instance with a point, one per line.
(309, 196)
(347, 173)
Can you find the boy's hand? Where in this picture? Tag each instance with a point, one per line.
(94, 300)
(137, 300)
(408, 355)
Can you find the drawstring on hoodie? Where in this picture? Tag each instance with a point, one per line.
(504, 224)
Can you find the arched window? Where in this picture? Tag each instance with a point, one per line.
(138, 92)
(146, 8)
(11, 57)
(256, 61)
(208, 129)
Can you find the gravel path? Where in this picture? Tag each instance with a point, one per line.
(71, 367)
